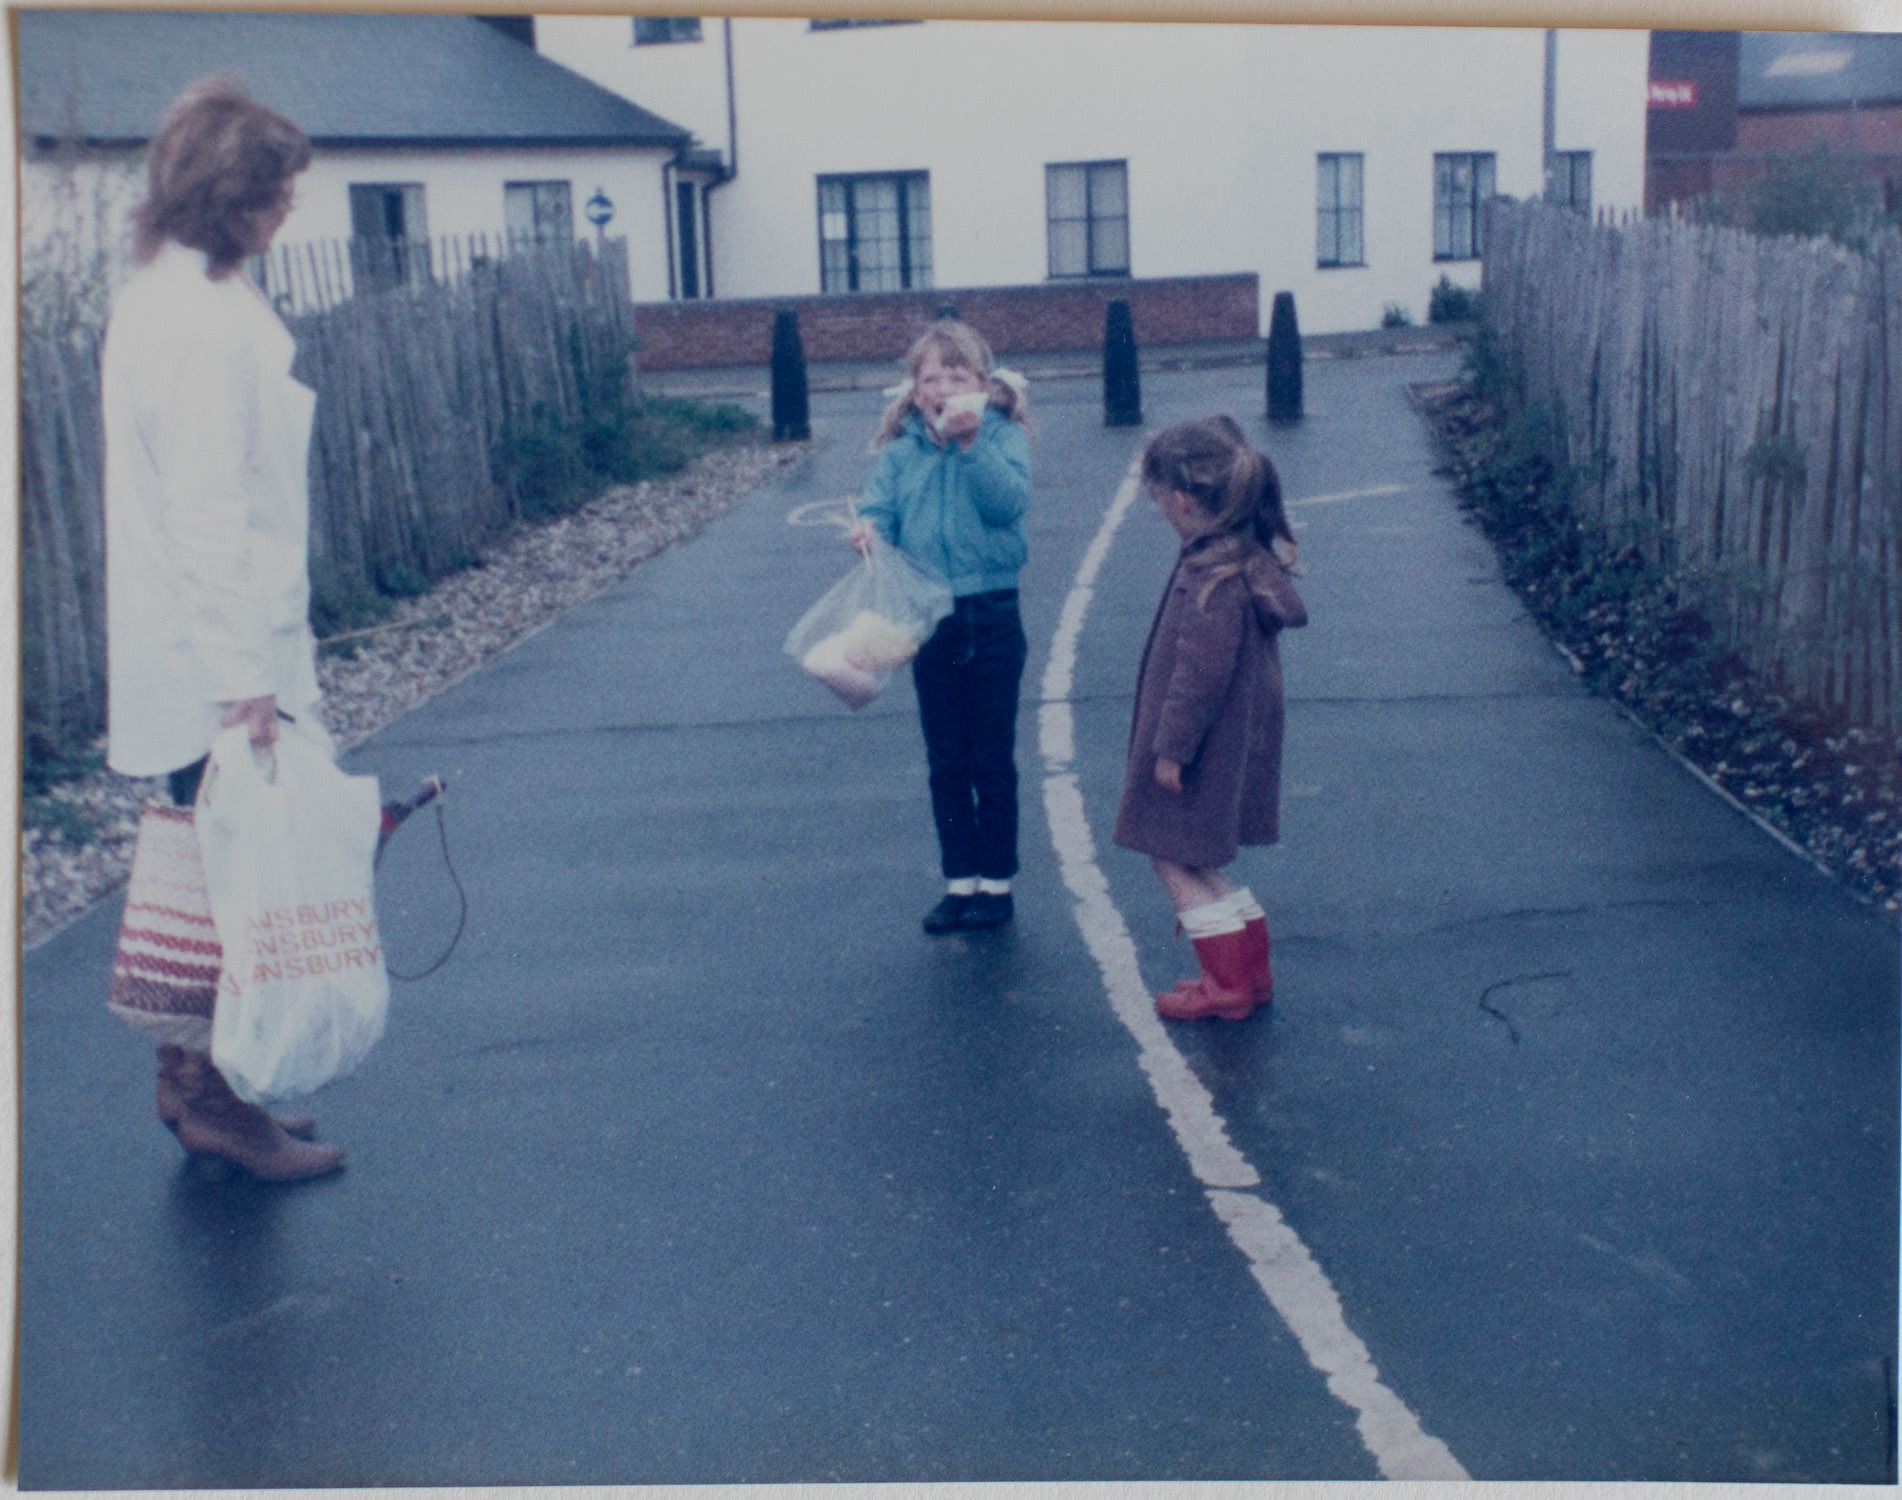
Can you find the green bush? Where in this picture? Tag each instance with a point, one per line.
(42, 765)
(1393, 315)
(1816, 193)
(1776, 460)
(1491, 368)
(540, 464)
(710, 418)
(1453, 304)
(551, 469)
(58, 820)
(341, 602)
(1579, 582)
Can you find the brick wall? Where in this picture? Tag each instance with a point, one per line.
(881, 325)
(1878, 128)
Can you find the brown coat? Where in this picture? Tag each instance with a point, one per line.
(1209, 696)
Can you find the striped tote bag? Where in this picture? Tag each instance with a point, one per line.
(165, 974)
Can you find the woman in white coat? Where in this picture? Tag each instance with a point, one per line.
(207, 577)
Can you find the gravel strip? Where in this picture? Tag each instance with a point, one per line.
(78, 846)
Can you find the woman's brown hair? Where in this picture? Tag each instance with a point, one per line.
(219, 158)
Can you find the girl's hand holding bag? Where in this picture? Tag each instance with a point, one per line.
(288, 842)
(869, 624)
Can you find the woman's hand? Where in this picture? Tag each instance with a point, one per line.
(1169, 775)
(259, 715)
(863, 536)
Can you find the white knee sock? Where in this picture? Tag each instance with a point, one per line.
(1245, 905)
(1211, 919)
(964, 885)
(993, 887)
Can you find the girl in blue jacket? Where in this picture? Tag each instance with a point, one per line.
(952, 482)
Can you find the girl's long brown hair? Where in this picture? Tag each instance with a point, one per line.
(1212, 462)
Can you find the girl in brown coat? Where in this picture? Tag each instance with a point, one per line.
(1204, 772)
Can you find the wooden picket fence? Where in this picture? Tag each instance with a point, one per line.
(62, 541)
(316, 275)
(1732, 406)
(419, 387)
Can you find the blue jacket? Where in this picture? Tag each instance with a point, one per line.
(959, 512)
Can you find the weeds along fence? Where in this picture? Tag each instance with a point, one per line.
(423, 389)
(62, 541)
(1729, 406)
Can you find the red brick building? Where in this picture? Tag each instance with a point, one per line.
(1725, 105)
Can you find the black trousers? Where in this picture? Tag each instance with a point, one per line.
(967, 677)
(183, 783)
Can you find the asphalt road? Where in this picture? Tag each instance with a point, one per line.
(1568, 1150)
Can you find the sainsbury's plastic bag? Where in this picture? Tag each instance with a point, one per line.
(869, 624)
(288, 841)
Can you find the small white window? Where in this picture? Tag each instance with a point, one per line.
(1338, 239)
(875, 232)
(1572, 180)
(1462, 182)
(1087, 203)
(538, 213)
(389, 234)
(652, 31)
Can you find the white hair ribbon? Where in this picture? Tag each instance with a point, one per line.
(1012, 378)
(898, 392)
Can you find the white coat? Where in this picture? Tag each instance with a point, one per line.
(207, 512)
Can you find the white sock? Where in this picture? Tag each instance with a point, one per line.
(994, 887)
(964, 885)
(1210, 920)
(1246, 906)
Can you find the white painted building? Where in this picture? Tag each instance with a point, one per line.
(423, 128)
(1344, 164)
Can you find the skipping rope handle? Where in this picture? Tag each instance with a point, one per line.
(394, 815)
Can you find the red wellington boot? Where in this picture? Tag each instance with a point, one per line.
(1256, 931)
(1225, 987)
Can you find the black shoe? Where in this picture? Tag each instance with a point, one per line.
(947, 915)
(986, 909)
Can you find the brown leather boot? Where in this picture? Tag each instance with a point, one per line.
(216, 1122)
(171, 1099)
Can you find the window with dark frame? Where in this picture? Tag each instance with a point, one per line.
(1339, 218)
(1462, 182)
(652, 31)
(1572, 180)
(1087, 204)
(389, 234)
(875, 232)
(538, 213)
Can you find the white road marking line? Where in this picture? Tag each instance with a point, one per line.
(1296, 1286)
(837, 512)
(1367, 494)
